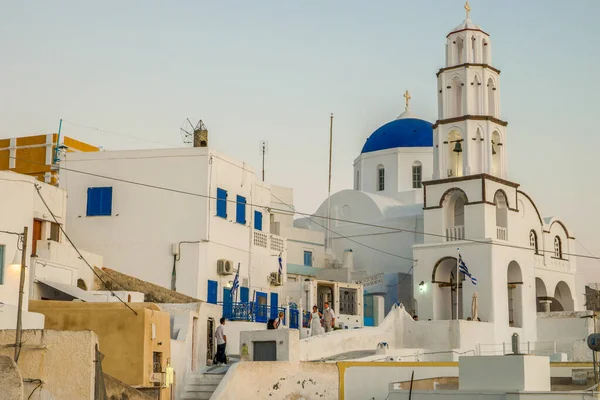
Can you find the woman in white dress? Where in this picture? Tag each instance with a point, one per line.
(315, 322)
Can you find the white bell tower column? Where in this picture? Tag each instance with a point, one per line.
(469, 137)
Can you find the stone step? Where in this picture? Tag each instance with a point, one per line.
(203, 387)
(204, 379)
(196, 396)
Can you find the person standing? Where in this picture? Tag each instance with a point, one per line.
(221, 357)
(328, 318)
(279, 321)
(315, 322)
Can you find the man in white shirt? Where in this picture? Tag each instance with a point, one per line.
(328, 318)
(221, 338)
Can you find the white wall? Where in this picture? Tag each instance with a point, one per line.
(138, 238)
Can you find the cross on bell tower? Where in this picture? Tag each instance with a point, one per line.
(467, 9)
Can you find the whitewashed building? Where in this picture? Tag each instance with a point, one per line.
(423, 190)
(185, 219)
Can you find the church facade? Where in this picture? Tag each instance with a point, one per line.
(425, 193)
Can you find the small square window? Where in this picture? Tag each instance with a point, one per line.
(99, 201)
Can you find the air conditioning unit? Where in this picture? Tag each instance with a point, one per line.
(276, 279)
(224, 267)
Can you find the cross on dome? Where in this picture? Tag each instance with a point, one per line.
(407, 97)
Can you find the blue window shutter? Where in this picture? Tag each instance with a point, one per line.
(274, 305)
(211, 296)
(240, 210)
(1, 265)
(258, 220)
(244, 294)
(221, 203)
(308, 259)
(99, 201)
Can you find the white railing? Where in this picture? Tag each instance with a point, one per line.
(260, 239)
(455, 233)
(501, 233)
(541, 348)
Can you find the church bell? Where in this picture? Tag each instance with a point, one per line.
(457, 147)
(493, 150)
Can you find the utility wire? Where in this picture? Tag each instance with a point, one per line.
(117, 133)
(37, 188)
(389, 228)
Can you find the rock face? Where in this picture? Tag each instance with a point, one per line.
(11, 381)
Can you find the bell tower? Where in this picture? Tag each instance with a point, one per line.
(469, 136)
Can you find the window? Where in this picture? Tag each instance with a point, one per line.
(557, 247)
(308, 261)
(348, 301)
(533, 243)
(417, 175)
(240, 210)
(381, 178)
(258, 220)
(357, 184)
(99, 201)
(54, 232)
(221, 203)
(1, 265)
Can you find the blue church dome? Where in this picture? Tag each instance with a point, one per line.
(405, 131)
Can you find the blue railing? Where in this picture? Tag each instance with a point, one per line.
(252, 312)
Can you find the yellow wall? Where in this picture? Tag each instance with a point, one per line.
(32, 160)
(125, 339)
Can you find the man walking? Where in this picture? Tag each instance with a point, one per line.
(328, 318)
(221, 337)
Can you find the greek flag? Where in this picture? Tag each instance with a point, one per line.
(236, 283)
(462, 267)
(280, 265)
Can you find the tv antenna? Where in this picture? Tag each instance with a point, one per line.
(194, 134)
(264, 150)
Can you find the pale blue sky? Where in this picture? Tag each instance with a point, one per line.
(274, 70)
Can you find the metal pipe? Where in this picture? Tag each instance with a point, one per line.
(21, 292)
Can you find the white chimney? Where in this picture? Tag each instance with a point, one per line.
(348, 260)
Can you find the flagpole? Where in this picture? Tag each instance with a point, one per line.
(457, 280)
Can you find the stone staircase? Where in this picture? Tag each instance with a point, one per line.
(202, 386)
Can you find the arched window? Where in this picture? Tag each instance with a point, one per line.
(496, 154)
(417, 175)
(454, 210)
(457, 87)
(484, 51)
(533, 243)
(460, 45)
(380, 178)
(557, 247)
(474, 49)
(476, 87)
(501, 215)
(491, 89)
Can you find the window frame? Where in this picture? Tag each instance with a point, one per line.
(380, 178)
(305, 253)
(97, 205)
(558, 253)
(240, 210)
(221, 203)
(533, 241)
(417, 175)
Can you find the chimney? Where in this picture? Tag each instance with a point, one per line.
(200, 135)
(348, 261)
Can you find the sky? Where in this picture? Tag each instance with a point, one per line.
(273, 70)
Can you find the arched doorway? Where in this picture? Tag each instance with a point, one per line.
(541, 296)
(562, 294)
(444, 286)
(515, 294)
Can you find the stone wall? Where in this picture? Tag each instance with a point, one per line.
(11, 382)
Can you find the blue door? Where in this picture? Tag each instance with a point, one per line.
(211, 296)
(227, 304)
(244, 294)
(261, 307)
(274, 305)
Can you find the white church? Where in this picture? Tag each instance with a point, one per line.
(422, 191)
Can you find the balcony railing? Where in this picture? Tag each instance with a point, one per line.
(455, 233)
(276, 244)
(501, 233)
(260, 239)
(253, 312)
